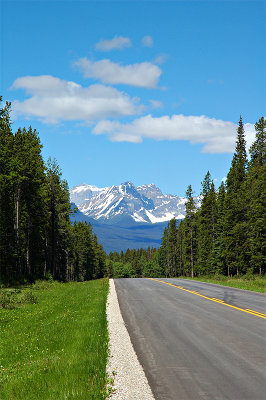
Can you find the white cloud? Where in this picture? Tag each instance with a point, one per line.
(118, 42)
(156, 104)
(161, 59)
(143, 74)
(147, 41)
(53, 100)
(217, 136)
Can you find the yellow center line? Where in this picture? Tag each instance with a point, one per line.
(257, 312)
(247, 310)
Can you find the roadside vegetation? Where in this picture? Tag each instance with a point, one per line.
(54, 341)
(255, 283)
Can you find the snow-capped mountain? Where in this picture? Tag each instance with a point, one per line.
(115, 204)
(83, 192)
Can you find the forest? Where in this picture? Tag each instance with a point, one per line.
(37, 239)
(224, 236)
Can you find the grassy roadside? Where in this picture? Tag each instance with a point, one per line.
(57, 348)
(253, 283)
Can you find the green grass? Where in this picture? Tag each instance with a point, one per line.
(254, 283)
(57, 348)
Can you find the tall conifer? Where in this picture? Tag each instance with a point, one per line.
(236, 208)
(206, 230)
(191, 227)
(7, 209)
(256, 197)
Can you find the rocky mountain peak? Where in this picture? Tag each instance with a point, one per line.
(143, 204)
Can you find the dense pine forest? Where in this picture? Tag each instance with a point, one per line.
(37, 239)
(225, 236)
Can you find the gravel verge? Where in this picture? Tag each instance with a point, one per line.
(130, 382)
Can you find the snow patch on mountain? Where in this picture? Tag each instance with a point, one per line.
(163, 218)
(143, 204)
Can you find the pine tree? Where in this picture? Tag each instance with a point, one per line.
(180, 248)
(190, 226)
(207, 226)
(172, 247)
(219, 249)
(30, 197)
(99, 259)
(236, 224)
(163, 254)
(256, 197)
(58, 226)
(7, 210)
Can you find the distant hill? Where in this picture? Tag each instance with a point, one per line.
(117, 238)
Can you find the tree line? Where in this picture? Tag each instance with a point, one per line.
(37, 239)
(225, 235)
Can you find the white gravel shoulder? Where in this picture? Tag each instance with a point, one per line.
(130, 382)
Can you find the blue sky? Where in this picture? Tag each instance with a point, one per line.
(146, 91)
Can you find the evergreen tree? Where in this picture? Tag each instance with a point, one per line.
(236, 224)
(207, 226)
(58, 226)
(172, 247)
(7, 209)
(256, 197)
(99, 259)
(190, 228)
(164, 255)
(29, 201)
(219, 249)
(180, 248)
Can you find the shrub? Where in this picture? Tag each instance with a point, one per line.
(29, 297)
(8, 298)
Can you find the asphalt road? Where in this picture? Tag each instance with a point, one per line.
(191, 345)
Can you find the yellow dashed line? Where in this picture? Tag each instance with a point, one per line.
(247, 310)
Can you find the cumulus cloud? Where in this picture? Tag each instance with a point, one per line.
(216, 136)
(118, 42)
(53, 100)
(147, 41)
(144, 74)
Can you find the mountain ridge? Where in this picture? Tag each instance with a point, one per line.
(144, 204)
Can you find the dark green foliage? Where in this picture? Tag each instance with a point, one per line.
(227, 234)
(29, 184)
(207, 219)
(58, 224)
(134, 264)
(190, 228)
(256, 198)
(36, 236)
(236, 212)
(7, 211)
(219, 249)
(168, 258)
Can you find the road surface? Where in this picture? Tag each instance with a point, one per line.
(197, 340)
